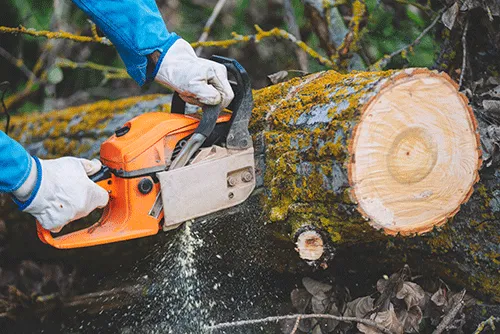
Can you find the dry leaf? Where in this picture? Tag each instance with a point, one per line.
(450, 15)
(319, 305)
(300, 299)
(495, 92)
(493, 81)
(412, 294)
(315, 288)
(278, 77)
(411, 319)
(439, 297)
(491, 105)
(329, 325)
(387, 319)
(382, 284)
(360, 307)
(492, 7)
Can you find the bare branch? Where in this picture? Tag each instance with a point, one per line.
(490, 321)
(296, 326)
(379, 65)
(240, 323)
(237, 39)
(54, 35)
(17, 63)
(464, 53)
(294, 29)
(210, 22)
(448, 318)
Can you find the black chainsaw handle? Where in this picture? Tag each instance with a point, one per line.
(103, 174)
(238, 136)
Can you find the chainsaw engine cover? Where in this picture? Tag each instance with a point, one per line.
(144, 145)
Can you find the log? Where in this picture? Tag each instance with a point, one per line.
(349, 156)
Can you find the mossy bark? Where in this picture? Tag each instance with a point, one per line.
(301, 132)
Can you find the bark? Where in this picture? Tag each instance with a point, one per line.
(302, 130)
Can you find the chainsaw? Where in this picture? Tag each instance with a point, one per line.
(162, 169)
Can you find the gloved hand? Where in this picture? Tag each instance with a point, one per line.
(198, 81)
(59, 191)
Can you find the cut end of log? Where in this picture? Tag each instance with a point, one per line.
(415, 153)
(310, 245)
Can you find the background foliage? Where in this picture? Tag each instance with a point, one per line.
(386, 26)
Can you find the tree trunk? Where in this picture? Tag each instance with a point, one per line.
(396, 150)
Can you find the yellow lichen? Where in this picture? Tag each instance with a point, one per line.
(54, 131)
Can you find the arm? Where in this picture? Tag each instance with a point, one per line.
(15, 164)
(150, 52)
(136, 29)
(56, 191)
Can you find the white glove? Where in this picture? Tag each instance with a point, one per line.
(198, 81)
(65, 193)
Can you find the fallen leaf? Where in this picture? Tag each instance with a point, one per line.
(300, 299)
(278, 77)
(450, 15)
(387, 319)
(382, 284)
(411, 293)
(493, 81)
(360, 307)
(491, 105)
(319, 305)
(329, 325)
(495, 92)
(439, 297)
(315, 288)
(412, 319)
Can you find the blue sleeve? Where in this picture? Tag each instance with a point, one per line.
(15, 164)
(135, 27)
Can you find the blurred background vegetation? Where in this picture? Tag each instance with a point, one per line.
(364, 31)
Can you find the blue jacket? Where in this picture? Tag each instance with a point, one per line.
(136, 29)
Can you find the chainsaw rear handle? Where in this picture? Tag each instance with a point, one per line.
(127, 216)
(61, 242)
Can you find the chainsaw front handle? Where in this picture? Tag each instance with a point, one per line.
(238, 136)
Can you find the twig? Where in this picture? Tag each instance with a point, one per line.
(448, 318)
(464, 53)
(423, 8)
(210, 22)
(294, 29)
(490, 321)
(54, 35)
(379, 65)
(237, 39)
(17, 63)
(261, 34)
(296, 326)
(302, 316)
(30, 87)
(61, 62)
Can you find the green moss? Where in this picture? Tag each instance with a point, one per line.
(440, 242)
(306, 124)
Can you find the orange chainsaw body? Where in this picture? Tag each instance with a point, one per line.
(138, 150)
